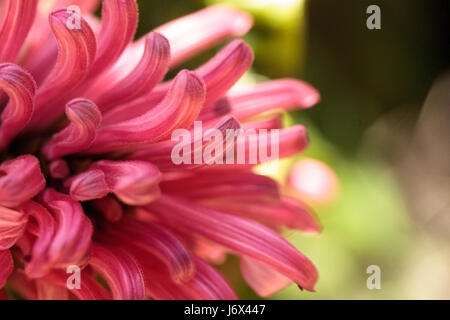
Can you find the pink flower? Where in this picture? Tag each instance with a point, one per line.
(87, 179)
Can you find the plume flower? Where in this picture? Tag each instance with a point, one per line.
(87, 181)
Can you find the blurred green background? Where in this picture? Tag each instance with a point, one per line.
(373, 84)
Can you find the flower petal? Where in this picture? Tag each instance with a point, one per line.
(269, 124)
(119, 23)
(190, 35)
(21, 180)
(216, 111)
(178, 110)
(59, 169)
(287, 212)
(90, 288)
(219, 75)
(118, 26)
(16, 24)
(284, 94)
(196, 32)
(85, 5)
(261, 278)
(40, 49)
(225, 69)
(20, 87)
(88, 185)
(120, 271)
(84, 118)
(71, 241)
(42, 225)
(226, 191)
(293, 140)
(6, 266)
(241, 235)
(249, 146)
(209, 284)
(149, 71)
(210, 184)
(133, 182)
(161, 153)
(77, 50)
(158, 241)
(206, 284)
(12, 226)
(49, 291)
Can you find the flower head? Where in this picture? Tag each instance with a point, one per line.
(87, 180)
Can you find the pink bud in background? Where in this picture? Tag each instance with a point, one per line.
(313, 182)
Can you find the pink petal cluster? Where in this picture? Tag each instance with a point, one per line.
(87, 179)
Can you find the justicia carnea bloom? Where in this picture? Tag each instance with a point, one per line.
(86, 175)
